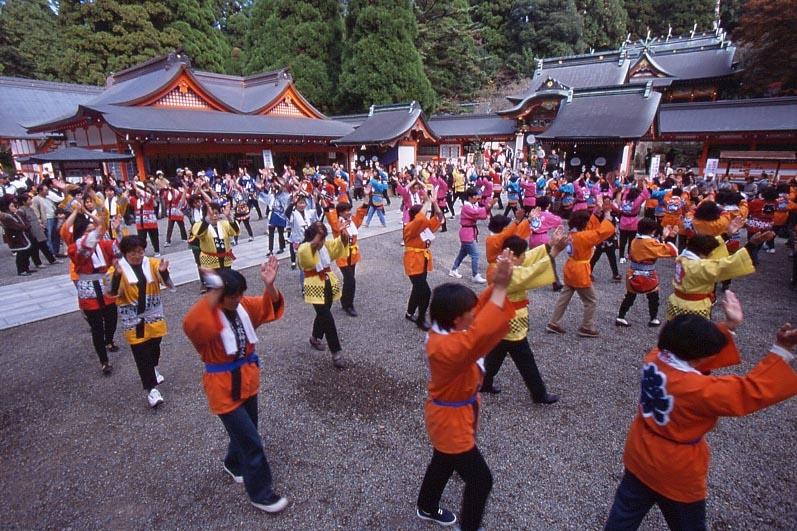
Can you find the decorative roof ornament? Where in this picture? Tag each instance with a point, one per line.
(694, 29)
(669, 32)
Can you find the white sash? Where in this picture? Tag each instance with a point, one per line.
(130, 275)
(228, 334)
(323, 259)
(98, 257)
(218, 230)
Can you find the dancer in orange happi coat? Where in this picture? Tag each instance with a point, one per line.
(221, 326)
(666, 454)
(418, 236)
(349, 261)
(464, 328)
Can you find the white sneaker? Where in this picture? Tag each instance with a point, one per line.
(619, 321)
(274, 506)
(251, 239)
(157, 255)
(159, 377)
(622, 260)
(454, 273)
(154, 398)
(771, 251)
(168, 244)
(237, 479)
(478, 279)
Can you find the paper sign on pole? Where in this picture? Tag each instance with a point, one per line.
(268, 161)
(654, 167)
(711, 166)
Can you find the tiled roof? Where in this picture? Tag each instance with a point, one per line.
(472, 125)
(762, 114)
(385, 124)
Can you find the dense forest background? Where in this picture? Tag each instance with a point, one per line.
(348, 54)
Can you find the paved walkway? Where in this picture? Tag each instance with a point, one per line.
(31, 301)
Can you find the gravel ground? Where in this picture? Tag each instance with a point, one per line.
(349, 448)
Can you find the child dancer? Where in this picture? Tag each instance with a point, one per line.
(641, 276)
(418, 235)
(464, 329)
(338, 217)
(531, 269)
(666, 454)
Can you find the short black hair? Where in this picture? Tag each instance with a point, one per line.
(728, 197)
(132, 242)
(708, 211)
(647, 226)
(314, 228)
(498, 223)
(215, 207)
(516, 244)
(5, 202)
(578, 220)
(769, 193)
(79, 227)
(234, 282)
(691, 337)
(414, 209)
(342, 207)
(450, 301)
(544, 202)
(702, 244)
(472, 191)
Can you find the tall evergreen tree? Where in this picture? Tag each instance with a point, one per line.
(451, 59)
(196, 22)
(493, 17)
(766, 29)
(659, 15)
(380, 61)
(302, 35)
(28, 39)
(233, 20)
(730, 11)
(109, 35)
(605, 23)
(544, 28)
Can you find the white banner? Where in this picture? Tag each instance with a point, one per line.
(654, 167)
(268, 161)
(711, 166)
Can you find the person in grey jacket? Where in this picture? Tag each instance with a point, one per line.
(38, 239)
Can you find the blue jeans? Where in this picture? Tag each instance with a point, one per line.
(53, 238)
(634, 499)
(245, 454)
(380, 212)
(468, 249)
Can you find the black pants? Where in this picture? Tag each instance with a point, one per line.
(653, 304)
(45, 250)
(626, 237)
(349, 286)
(103, 327)
(147, 356)
(153, 237)
(521, 354)
(419, 296)
(510, 208)
(22, 260)
(358, 193)
(324, 322)
(293, 253)
(634, 499)
(609, 251)
(450, 201)
(281, 230)
(170, 228)
(247, 225)
(478, 479)
(497, 195)
(254, 203)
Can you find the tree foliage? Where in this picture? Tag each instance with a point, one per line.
(492, 18)
(544, 28)
(765, 29)
(380, 61)
(605, 23)
(302, 35)
(451, 58)
(195, 20)
(28, 39)
(659, 15)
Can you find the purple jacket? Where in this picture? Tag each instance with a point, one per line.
(442, 190)
(467, 220)
(540, 225)
(529, 192)
(629, 210)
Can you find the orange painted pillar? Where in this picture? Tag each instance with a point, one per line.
(701, 165)
(138, 151)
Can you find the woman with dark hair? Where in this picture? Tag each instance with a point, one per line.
(321, 286)
(92, 257)
(15, 234)
(418, 235)
(221, 326)
(136, 282)
(666, 455)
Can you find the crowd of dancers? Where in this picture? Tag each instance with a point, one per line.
(316, 217)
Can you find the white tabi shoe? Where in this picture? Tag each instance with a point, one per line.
(154, 398)
(159, 377)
